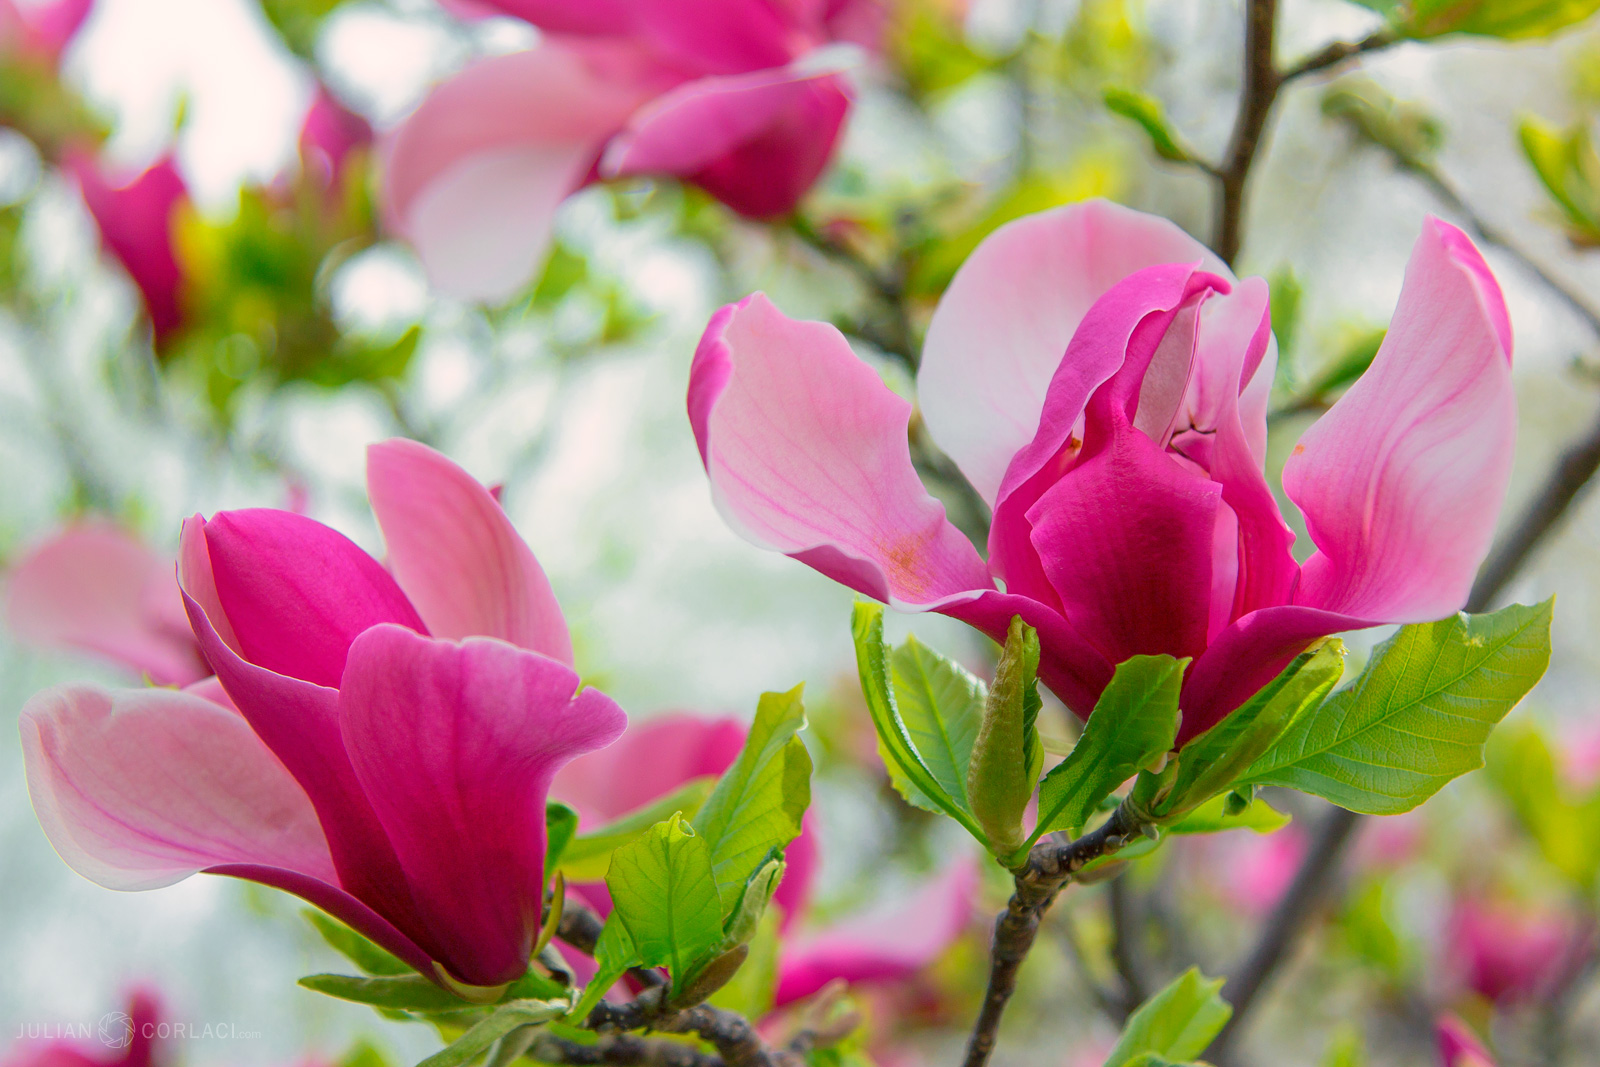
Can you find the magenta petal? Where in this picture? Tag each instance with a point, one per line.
(601, 18)
(456, 745)
(296, 592)
(95, 587)
(800, 859)
(457, 556)
(135, 222)
(757, 141)
(807, 453)
(888, 943)
(996, 342)
(328, 134)
(652, 759)
(720, 36)
(1074, 669)
(141, 788)
(1402, 480)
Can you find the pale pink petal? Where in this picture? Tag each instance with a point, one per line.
(1002, 328)
(95, 587)
(455, 745)
(1401, 482)
(474, 176)
(890, 942)
(456, 555)
(1459, 1046)
(757, 141)
(807, 454)
(328, 134)
(652, 759)
(142, 788)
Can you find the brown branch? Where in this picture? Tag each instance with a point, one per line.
(1339, 51)
(1260, 91)
(619, 1049)
(1050, 867)
(736, 1041)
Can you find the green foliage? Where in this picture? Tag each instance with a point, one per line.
(1133, 725)
(1285, 293)
(1346, 1049)
(1007, 756)
(506, 1018)
(371, 958)
(1417, 717)
(908, 771)
(614, 953)
(1569, 167)
(1213, 817)
(929, 48)
(1512, 20)
(299, 22)
(753, 988)
(560, 824)
(758, 803)
(1405, 129)
(1212, 763)
(942, 707)
(1563, 822)
(1175, 1024)
(409, 992)
(588, 856)
(664, 893)
(1148, 113)
(1350, 362)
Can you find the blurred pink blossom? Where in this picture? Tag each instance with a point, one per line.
(41, 32)
(1459, 1046)
(328, 134)
(1509, 954)
(136, 220)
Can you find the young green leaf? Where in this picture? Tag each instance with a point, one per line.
(907, 769)
(506, 1018)
(1007, 755)
(1214, 761)
(663, 891)
(1419, 714)
(1568, 165)
(1566, 827)
(1133, 724)
(1175, 1024)
(1213, 817)
(614, 953)
(1147, 112)
(746, 916)
(409, 992)
(560, 824)
(758, 803)
(352, 946)
(942, 707)
(754, 986)
(588, 856)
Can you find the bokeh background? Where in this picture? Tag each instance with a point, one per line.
(571, 395)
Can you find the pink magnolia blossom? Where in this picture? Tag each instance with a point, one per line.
(885, 944)
(94, 586)
(328, 134)
(136, 221)
(377, 741)
(142, 1011)
(1510, 954)
(726, 94)
(1102, 381)
(1459, 1046)
(41, 32)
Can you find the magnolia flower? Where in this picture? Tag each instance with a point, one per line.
(136, 220)
(95, 587)
(126, 1039)
(1102, 380)
(381, 740)
(726, 94)
(884, 944)
(41, 32)
(1512, 955)
(1458, 1045)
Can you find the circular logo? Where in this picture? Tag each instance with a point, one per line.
(116, 1029)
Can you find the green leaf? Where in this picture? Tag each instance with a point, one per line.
(1566, 828)
(1007, 755)
(1175, 1024)
(357, 949)
(560, 824)
(1569, 167)
(942, 707)
(663, 891)
(1214, 761)
(614, 953)
(1132, 726)
(742, 923)
(506, 1018)
(1212, 817)
(907, 769)
(1419, 714)
(758, 803)
(410, 992)
(588, 856)
(1512, 20)
(1148, 113)
(754, 987)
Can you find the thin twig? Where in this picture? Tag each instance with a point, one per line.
(1338, 52)
(1259, 92)
(1050, 867)
(731, 1034)
(620, 1049)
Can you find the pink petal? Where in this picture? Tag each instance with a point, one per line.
(474, 176)
(722, 36)
(95, 587)
(141, 788)
(890, 942)
(328, 134)
(296, 592)
(1002, 327)
(807, 453)
(135, 222)
(652, 759)
(757, 142)
(455, 745)
(601, 18)
(457, 556)
(1074, 669)
(1401, 482)
(1459, 1046)
(800, 858)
